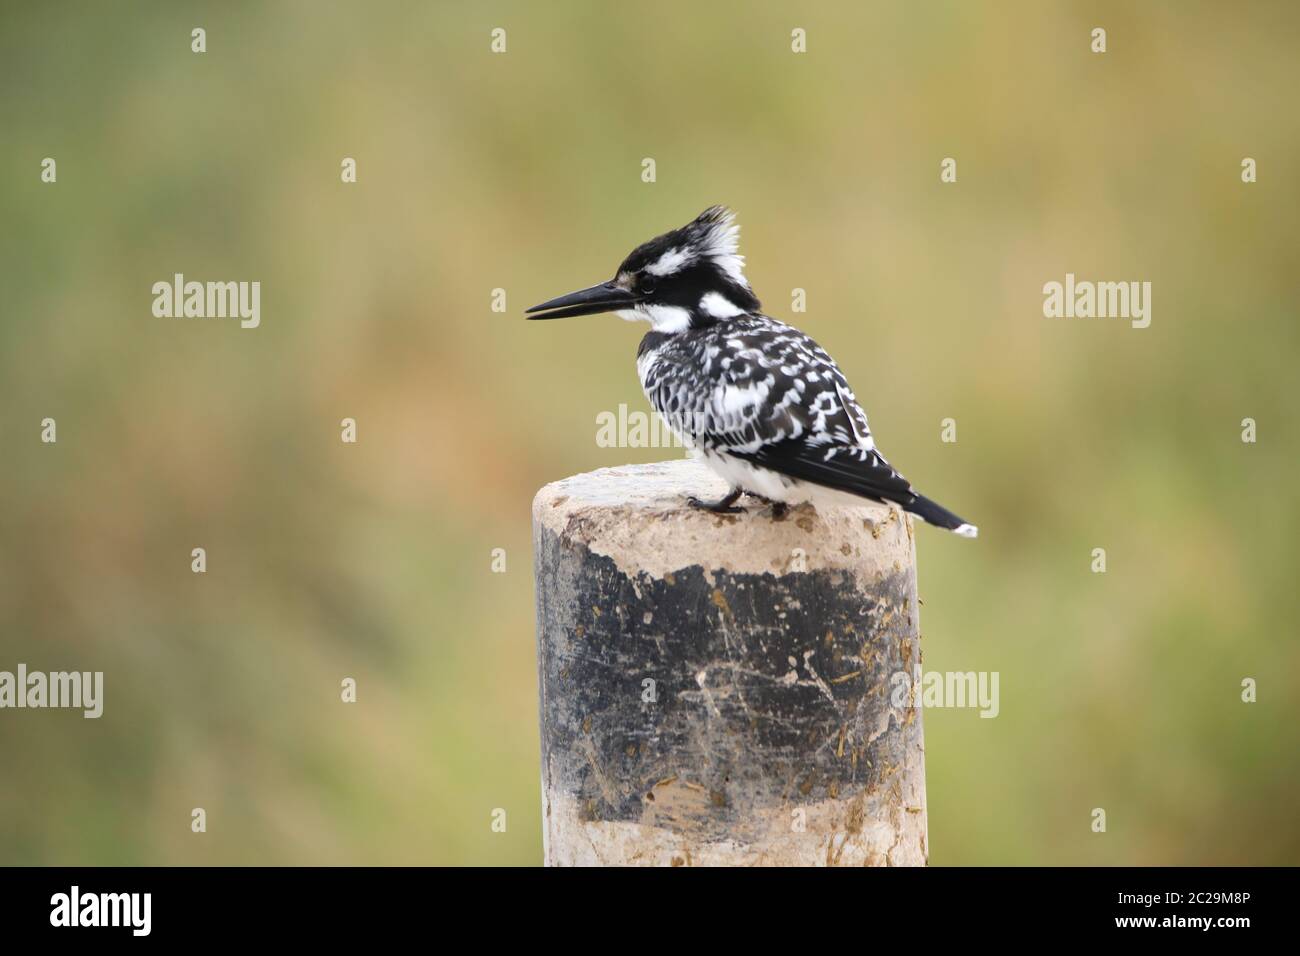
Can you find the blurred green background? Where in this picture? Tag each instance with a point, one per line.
(522, 171)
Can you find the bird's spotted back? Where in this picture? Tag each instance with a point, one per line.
(748, 382)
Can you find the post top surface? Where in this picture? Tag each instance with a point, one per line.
(638, 516)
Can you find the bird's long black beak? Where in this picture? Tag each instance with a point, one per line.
(605, 297)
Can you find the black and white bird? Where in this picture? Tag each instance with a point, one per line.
(756, 400)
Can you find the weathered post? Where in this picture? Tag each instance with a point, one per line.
(720, 689)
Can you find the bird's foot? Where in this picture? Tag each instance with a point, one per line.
(723, 506)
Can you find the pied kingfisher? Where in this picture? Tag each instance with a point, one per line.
(756, 400)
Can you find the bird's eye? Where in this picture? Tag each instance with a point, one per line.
(647, 283)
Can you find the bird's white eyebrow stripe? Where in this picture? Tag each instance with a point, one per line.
(670, 262)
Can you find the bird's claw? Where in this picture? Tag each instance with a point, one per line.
(723, 507)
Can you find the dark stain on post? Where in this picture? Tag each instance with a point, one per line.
(770, 690)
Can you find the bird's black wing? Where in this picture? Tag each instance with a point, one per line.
(856, 471)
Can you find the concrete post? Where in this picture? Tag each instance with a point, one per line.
(720, 689)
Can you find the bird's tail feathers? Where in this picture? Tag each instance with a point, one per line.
(939, 516)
